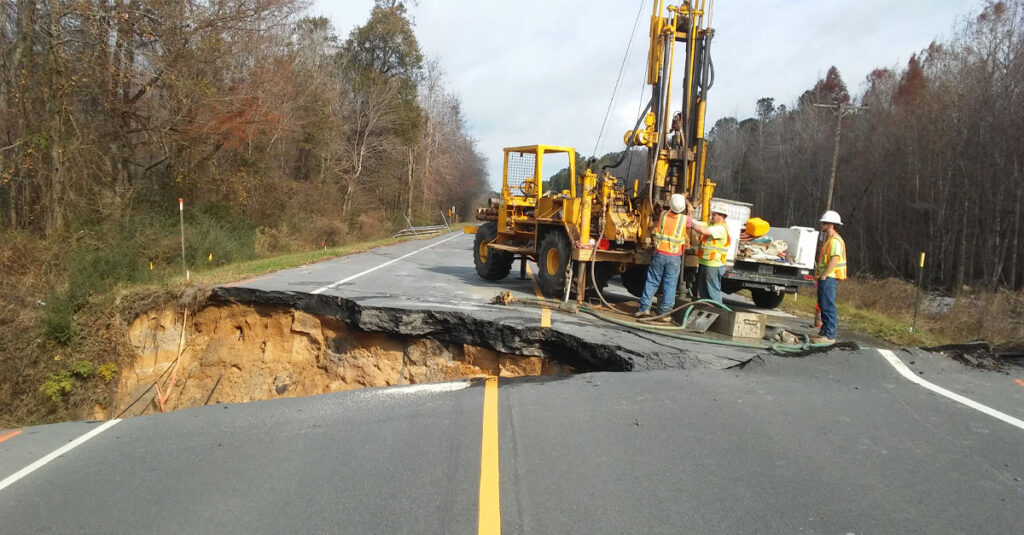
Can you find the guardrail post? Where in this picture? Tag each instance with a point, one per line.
(413, 229)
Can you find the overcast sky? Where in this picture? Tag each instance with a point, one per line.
(542, 71)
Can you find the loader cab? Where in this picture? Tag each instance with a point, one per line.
(522, 186)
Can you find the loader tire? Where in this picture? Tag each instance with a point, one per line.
(490, 264)
(634, 279)
(553, 257)
(766, 298)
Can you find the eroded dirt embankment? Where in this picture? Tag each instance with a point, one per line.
(234, 352)
(244, 344)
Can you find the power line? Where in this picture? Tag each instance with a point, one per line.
(615, 89)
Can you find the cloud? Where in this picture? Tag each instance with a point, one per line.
(534, 71)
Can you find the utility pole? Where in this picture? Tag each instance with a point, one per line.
(841, 110)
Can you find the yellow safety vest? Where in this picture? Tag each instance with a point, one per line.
(839, 272)
(713, 251)
(670, 235)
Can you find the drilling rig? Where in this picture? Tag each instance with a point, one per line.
(601, 226)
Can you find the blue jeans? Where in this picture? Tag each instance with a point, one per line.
(663, 272)
(709, 282)
(827, 304)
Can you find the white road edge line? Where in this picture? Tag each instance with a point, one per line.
(914, 378)
(56, 453)
(389, 262)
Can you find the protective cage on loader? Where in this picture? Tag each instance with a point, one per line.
(546, 227)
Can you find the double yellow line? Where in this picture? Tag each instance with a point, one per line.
(545, 313)
(489, 522)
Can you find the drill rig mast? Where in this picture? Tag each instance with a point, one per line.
(603, 219)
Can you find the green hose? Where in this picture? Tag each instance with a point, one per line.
(777, 347)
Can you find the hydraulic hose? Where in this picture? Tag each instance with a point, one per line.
(639, 120)
(669, 331)
(593, 265)
(690, 304)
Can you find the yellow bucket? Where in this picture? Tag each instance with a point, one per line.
(757, 227)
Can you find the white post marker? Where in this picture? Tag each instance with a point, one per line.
(895, 362)
(181, 218)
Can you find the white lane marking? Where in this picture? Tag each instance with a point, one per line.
(56, 453)
(459, 307)
(914, 378)
(430, 388)
(389, 262)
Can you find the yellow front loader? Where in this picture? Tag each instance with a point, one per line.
(601, 225)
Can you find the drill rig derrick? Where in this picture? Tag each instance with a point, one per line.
(602, 219)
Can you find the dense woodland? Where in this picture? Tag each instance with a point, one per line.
(267, 122)
(936, 164)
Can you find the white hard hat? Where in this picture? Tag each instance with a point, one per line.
(831, 216)
(677, 203)
(719, 208)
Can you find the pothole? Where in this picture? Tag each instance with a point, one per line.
(239, 352)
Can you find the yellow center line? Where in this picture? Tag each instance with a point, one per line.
(545, 313)
(490, 501)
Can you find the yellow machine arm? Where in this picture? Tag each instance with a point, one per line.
(676, 146)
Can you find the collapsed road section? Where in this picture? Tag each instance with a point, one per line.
(245, 344)
(406, 313)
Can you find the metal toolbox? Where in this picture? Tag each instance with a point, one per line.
(740, 324)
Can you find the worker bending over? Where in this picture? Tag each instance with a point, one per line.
(829, 270)
(714, 246)
(669, 242)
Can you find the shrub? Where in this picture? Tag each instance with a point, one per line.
(83, 369)
(274, 240)
(57, 322)
(330, 231)
(58, 385)
(372, 225)
(228, 239)
(107, 371)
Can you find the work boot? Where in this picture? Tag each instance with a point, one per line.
(642, 314)
(821, 339)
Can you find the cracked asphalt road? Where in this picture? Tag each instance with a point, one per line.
(831, 443)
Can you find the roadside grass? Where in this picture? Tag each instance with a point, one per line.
(63, 337)
(253, 268)
(892, 328)
(884, 309)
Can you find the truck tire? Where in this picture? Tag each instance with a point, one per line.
(634, 279)
(766, 298)
(490, 265)
(553, 257)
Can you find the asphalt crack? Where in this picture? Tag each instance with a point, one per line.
(505, 334)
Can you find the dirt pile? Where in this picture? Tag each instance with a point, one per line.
(241, 352)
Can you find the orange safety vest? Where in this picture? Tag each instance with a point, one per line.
(670, 235)
(839, 272)
(713, 251)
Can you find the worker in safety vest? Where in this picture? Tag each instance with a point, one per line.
(670, 242)
(829, 270)
(714, 246)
